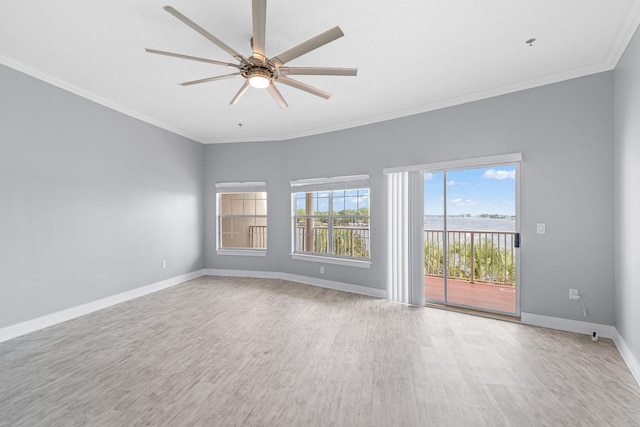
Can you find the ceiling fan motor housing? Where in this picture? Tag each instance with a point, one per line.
(258, 75)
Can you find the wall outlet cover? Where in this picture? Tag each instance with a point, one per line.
(573, 294)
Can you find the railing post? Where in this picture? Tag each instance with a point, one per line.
(309, 238)
(351, 245)
(473, 256)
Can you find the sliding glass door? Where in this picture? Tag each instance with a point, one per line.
(471, 238)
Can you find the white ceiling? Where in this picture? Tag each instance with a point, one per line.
(413, 56)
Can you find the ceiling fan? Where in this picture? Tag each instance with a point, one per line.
(258, 70)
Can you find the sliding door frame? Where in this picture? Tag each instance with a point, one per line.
(504, 159)
(455, 166)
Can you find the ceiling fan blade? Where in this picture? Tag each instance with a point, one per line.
(259, 8)
(317, 71)
(192, 58)
(241, 92)
(303, 86)
(205, 33)
(273, 90)
(211, 79)
(309, 45)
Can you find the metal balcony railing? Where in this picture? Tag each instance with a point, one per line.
(347, 241)
(482, 256)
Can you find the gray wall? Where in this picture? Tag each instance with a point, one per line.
(91, 201)
(627, 195)
(564, 132)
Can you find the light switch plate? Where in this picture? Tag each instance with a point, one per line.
(541, 228)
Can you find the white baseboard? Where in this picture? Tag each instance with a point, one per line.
(568, 325)
(33, 325)
(339, 286)
(628, 356)
(604, 331)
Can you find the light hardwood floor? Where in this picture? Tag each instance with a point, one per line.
(234, 351)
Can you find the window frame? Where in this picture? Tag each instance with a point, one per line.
(237, 188)
(329, 185)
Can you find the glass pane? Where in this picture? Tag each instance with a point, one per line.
(301, 203)
(261, 207)
(321, 203)
(481, 224)
(311, 236)
(350, 238)
(225, 204)
(338, 203)
(249, 206)
(363, 202)
(237, 205)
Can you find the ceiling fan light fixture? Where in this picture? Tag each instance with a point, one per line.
(258, 70)
(259, 78)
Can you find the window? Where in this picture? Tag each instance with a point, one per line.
(242, 218)
(331, 217)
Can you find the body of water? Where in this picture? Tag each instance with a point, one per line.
(474, 223)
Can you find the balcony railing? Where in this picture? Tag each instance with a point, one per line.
(347, 241)
(483, 256)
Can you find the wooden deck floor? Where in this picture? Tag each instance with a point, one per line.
(478, 294)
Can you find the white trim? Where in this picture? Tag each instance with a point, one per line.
(447, 103)
(416, 238)
(331, 260)
(568, 325)
(241, 187)
(330, 180)
(25, 69)
(241, 252)
(458, 163)
(330, 184)
(628, 356)
(616, 52)
(517, 230)
(45, 321)
(322, 283)
(626, 31)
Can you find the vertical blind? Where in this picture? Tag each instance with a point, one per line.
(405, 237)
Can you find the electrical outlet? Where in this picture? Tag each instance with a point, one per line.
(541, 228)
(573, 294)
(164, 264)
(322, 269)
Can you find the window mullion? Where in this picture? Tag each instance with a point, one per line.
(330, 225)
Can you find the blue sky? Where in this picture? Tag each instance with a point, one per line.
(472, 191)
